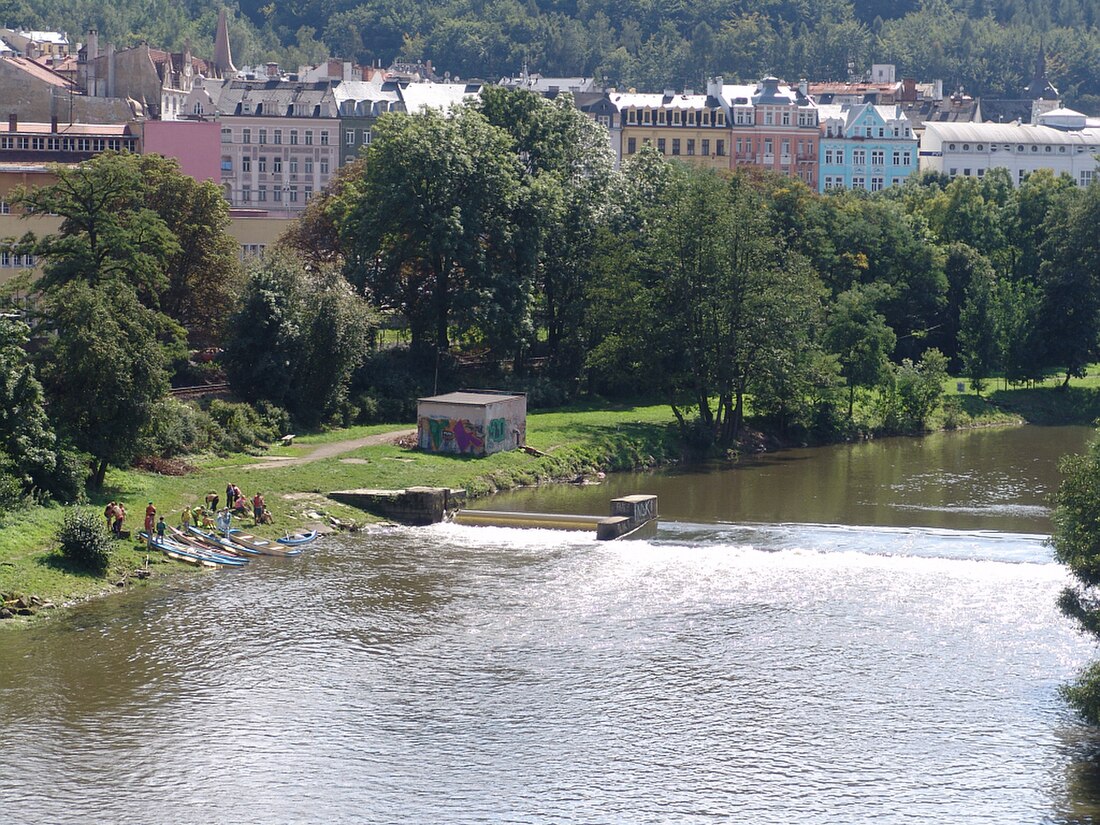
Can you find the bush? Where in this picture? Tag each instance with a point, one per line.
(274, 418)
(84, 540)
(11, 492)
(176, 428)
(238, 427)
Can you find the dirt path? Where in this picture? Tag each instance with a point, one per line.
(332, 449)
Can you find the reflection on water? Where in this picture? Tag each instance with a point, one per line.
(753, 670)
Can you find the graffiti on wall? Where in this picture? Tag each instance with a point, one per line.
(450, 435)
(496, 430)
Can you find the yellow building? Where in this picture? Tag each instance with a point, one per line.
(688, 127)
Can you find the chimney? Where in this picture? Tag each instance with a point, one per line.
(714, 88)
(804, 87)
(110, 70)
(13, 122)
(273, 71)
(53, 124)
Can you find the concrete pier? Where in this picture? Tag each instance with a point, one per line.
(627, 515)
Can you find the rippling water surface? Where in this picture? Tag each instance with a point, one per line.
(752, 671)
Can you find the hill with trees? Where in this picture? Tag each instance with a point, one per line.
(988, 47)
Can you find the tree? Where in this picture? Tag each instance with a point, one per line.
(1076, 542)
(1070, 285)
(431, 231)
(204, 273)
(734, 301)
(32, 452)
(861, 340)
(104, 369)
(978, 344)
(107, 232)
(568, 167)
(296, 338)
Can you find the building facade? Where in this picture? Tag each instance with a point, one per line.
(865, 147)
(280, 142)
(773, 126)
(687, 127)
(1061, 142)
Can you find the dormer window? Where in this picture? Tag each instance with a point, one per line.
(647, 117)
(661, 115)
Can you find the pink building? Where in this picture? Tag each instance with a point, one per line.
(196, 144)
(774, 126)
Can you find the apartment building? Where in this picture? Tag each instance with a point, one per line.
(865, 147)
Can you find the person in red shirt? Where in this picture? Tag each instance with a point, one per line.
(150, 518)
(257, 507)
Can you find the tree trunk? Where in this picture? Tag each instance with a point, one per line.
(98, 474)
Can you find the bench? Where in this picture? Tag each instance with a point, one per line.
(287, 440)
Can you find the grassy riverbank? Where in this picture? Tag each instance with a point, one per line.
(576, 441)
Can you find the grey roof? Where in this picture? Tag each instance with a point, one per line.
(1011, 133)
(275, 97)
(473, 397)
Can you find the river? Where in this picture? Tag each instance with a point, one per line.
(850, 634)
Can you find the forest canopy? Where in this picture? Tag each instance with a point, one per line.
(988, 47)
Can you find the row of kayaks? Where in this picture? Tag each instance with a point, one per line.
(206, 549)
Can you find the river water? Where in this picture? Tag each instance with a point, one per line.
(853, 634)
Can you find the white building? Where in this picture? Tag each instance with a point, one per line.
(1061, 141)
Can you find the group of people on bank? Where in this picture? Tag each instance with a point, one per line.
(207, 516)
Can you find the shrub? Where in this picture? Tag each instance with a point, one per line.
(175, 428)
(273, 417)
(84, 540)
(238, 426)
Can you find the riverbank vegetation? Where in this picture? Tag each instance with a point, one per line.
(499, 247)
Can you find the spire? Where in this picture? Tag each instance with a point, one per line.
(1040, 87)
(223, 57)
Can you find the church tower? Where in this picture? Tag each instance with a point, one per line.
(223, 57)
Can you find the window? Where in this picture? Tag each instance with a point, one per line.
(859, 157)
(604, 121)
(246, 135)
(719, 118)
(785, 149)
(324, 137)
(768, 147)
(198, 108)
(676, 146)
(276, 194)
(246, 164)
(786, 118)
(293, 137)
(661, 117)
(261, 193)
(227, 164)
(631, 145)
(366, 137)
(647, 117)
(294, 166)
(324, 166)
(896, 158)
(768, 117)
(632, 116)
(309, 137)
(720, 148)
(309, 193)
(966, 172)
(905, 158)
(263, 136)
(1087, 176)
(5, 258)
(5, 208)
(677, 117)
(276, 165)
(691, 146)
(952, 173)
(691, 118)
(876, 184)
(227, 136)
(278, 136)
(859, 182)
(878, 157)
(294, 194)
(309, 166)
(246, 193)
(739, 149)
(661, 145)
(705, 146)
(262, 165)
(349, 137)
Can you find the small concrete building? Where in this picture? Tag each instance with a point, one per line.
(472, 422)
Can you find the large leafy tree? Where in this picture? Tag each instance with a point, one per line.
(104, 370)
(432, 232)
(567, 163)
(735, 302)
(296, 338)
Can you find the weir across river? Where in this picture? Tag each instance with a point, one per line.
(627, 515)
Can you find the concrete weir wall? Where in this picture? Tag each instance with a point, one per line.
(416, 505)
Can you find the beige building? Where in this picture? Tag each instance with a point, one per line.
(688, 127)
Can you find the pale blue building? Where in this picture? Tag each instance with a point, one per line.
(864, 146)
